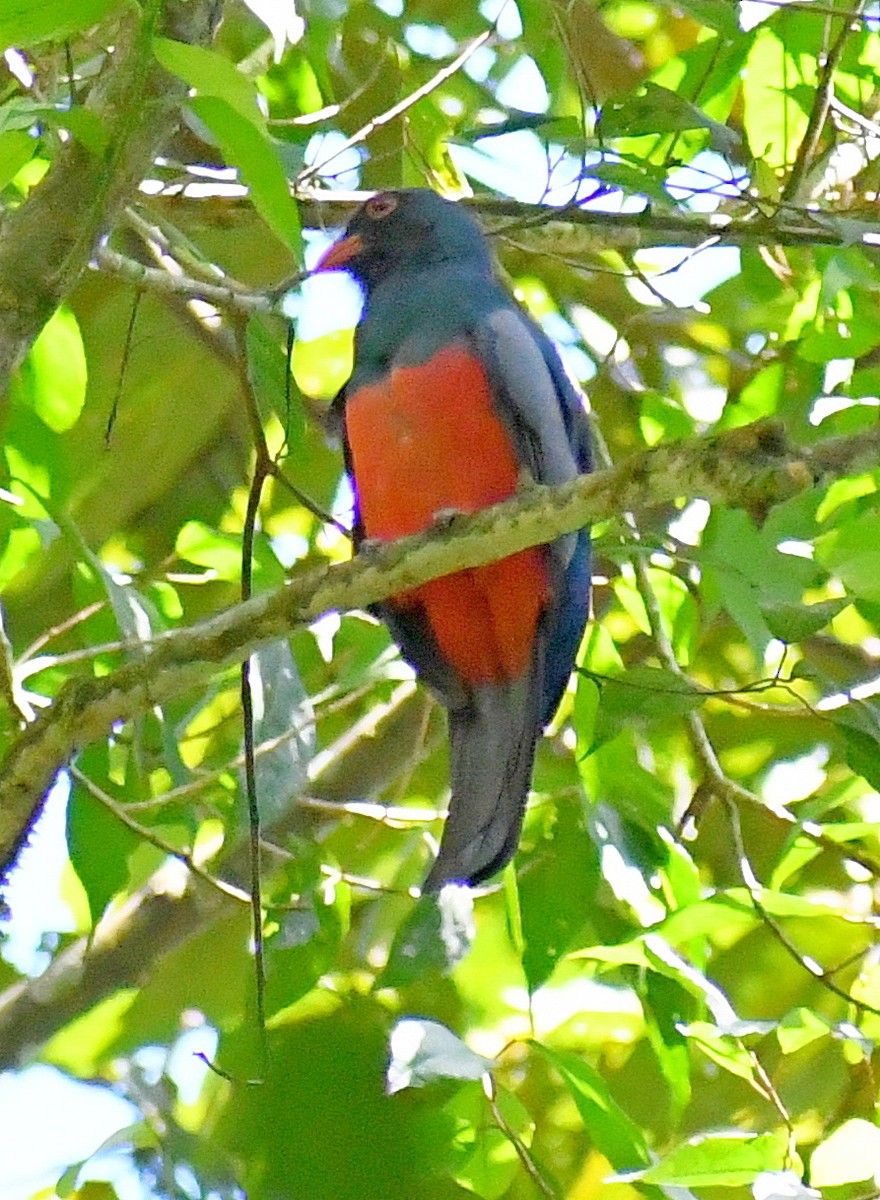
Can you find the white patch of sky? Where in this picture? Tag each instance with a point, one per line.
(342, 169)
(788, 782)
(290, 548)
(33, 892)
(523, 87)
(701, 399)
(480, 64)
(432, 41)
(861, 691)
(827, 406)
(599, 334)
(688, 526)
(837, 373)
(705, 181)
(184, 1063)
(796, 548)
(628, 885)
(323, 303)
(681, 276)
(51, 1121)
(512, 163)
(504, 15)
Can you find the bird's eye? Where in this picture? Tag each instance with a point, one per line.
(379, 207)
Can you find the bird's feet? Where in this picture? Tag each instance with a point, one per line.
(445, 518)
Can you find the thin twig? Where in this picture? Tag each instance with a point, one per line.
(819, 112)
(262, 471)
(754, 888)
(65, 626)
(533, 1171)
(149, 835)
(397, 109)
(159, 279)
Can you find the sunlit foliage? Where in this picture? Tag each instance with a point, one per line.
(676, 981)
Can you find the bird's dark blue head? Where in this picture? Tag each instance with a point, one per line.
(406, 231)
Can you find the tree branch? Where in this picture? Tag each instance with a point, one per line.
(174, 905)
(752, 467)
(47, 242)
(557, 226)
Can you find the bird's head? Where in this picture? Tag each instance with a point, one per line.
(408, 230)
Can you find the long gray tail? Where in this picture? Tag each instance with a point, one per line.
(492, 749)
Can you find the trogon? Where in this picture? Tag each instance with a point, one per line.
(456, 399)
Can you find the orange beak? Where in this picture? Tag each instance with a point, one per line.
(340, 254)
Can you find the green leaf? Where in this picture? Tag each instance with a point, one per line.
(852, 552)
(795, 622)
(634, 180)
(273, 387)
(89, 825)
(210, 74)
(847, 328)
(88, 127)
(321, 366)
(25, 22)
(553, 916)
(16, 149)
(720, 1160)
(612, 1132)
(219, 552)
(655, 109)
(305, 941)
(860, 728)
(244, 146)
(486, 1161)
(666, 1005)
(851, 1154)
(54, 372)
(587, 698)
(799, 1028)
(775, 123)
(724, 1050)
(424, 1051)
(714, 14)
(649, 693)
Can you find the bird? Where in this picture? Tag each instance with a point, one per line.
(456, 400)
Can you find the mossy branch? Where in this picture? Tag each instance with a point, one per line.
(47, 242)
(753, 467)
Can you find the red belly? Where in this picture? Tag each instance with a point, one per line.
(426, 439)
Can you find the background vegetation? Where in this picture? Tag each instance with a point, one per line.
(676, 984)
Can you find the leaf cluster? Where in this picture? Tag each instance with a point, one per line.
(675, 985)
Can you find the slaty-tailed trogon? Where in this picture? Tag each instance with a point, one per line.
(455, 398)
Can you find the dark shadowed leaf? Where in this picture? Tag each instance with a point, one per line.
(434, 937)
(794, 622)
